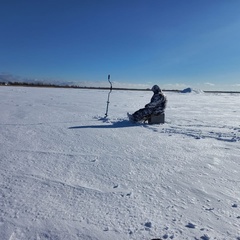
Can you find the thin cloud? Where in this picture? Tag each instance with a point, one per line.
(175, 85)
(210, 84)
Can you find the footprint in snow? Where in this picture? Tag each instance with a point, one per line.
(94, 160)
(126, 194)
(148, 224)
(190, 225)
(205, 237)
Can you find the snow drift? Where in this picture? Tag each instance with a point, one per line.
(190, 90)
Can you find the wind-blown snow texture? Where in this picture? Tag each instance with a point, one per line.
(67, 173)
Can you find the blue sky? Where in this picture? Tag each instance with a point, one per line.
(176, 44)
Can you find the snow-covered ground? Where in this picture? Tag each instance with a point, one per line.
(68, 173)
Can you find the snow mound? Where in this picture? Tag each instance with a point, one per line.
(190, 90)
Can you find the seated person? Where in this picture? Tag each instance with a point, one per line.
(156, 106)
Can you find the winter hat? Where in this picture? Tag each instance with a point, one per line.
(156, 89)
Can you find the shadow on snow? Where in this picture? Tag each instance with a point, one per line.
(119, 124)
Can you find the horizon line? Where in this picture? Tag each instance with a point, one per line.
(49, 85)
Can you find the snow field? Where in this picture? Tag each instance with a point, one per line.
(68, 173)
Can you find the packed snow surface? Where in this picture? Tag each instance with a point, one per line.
(66, 172)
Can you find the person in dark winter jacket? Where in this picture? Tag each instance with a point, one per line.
(156, 106)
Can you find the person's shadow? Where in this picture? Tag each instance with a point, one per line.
(118, 124)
